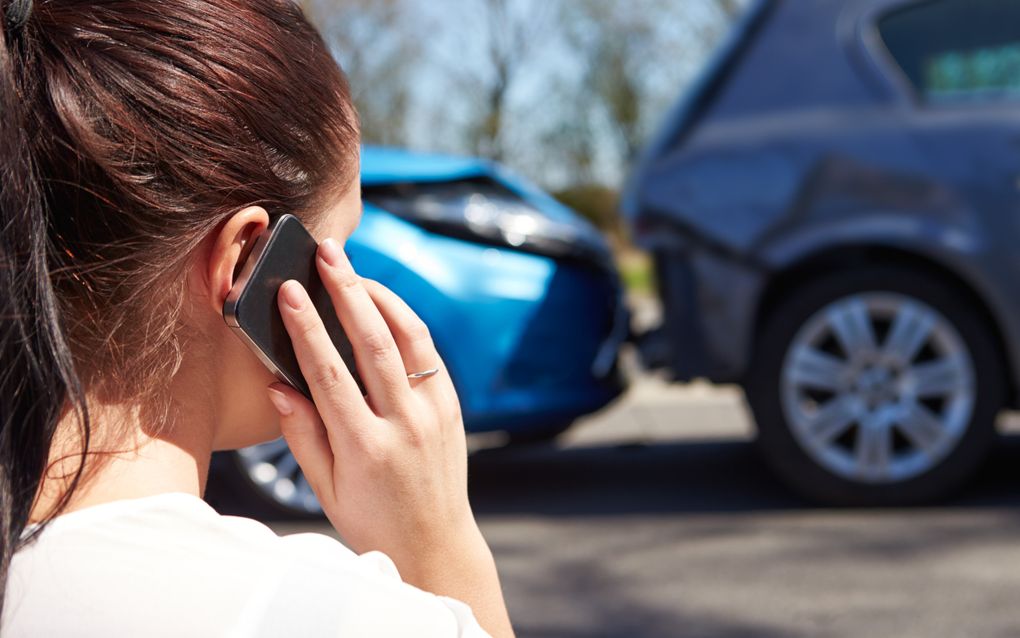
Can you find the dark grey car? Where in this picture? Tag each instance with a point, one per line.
(834, 213)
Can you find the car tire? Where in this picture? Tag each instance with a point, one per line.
(862, 432)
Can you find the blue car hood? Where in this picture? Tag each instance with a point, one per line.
(384, 165)
(381, 165)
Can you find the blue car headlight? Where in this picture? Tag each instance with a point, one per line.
(483, 210)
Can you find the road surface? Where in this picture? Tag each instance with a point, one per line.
(656, 518)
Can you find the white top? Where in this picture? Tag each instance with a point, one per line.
(169, 565)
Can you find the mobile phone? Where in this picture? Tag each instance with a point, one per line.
(286, 250)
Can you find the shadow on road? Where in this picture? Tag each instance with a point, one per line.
(672, 478)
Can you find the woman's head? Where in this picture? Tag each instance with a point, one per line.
(139, 139)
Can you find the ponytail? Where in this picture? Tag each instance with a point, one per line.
(37, 378)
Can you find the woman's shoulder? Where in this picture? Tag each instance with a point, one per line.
(176, 534)
(173, 522)
(171, 565)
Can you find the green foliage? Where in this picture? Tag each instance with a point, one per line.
(637, 272)
(595, 202)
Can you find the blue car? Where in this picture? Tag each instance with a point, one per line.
(519, 292)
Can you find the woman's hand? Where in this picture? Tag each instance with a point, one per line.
(389, 468)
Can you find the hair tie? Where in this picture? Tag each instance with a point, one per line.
(16, 14)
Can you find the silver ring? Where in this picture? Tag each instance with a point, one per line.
(422, 375)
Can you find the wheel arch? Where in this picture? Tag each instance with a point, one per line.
(813, 265)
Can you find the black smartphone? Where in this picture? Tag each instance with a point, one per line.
(286, 250)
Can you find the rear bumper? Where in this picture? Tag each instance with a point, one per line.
(709, 305)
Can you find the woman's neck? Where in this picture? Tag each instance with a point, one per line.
(125, 460)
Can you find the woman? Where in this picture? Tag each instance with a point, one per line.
(145, 145)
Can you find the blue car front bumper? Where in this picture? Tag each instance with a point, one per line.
(531, 341)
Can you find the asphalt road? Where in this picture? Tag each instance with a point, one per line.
(656, 518)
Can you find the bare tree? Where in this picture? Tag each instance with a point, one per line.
(565, 90)
(512, 31)
(378, 44)
(633, 58)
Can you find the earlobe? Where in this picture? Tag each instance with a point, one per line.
(230, 246)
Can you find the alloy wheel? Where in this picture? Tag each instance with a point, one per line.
(878, 387)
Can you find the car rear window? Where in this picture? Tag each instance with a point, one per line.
(957, 50)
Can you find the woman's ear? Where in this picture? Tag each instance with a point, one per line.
(228, 249)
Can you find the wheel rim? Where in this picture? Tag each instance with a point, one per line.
(273, 470)
(878, 387)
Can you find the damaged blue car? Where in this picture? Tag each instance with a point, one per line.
(521, 296)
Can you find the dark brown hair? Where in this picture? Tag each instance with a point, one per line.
(130, 129)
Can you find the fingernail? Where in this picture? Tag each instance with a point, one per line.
(280, 402)
(331, 251)
(292, 294)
